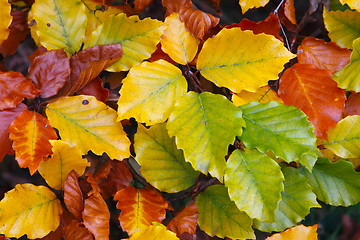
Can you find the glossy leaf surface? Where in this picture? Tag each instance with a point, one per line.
(247, 4)
(263, 95)
(297, 233)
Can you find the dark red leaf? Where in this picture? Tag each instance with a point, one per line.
(352, 105)
(95, 88)
(76, 231)
(73, 197)
(159, 54)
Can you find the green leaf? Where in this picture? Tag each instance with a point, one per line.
(348, 77)
(138, 38)
(162, 164)
(246, 175)
(60, 24)
(204, 125)
(283, 129)
(219, 216)
(296, 201)
(336, 184)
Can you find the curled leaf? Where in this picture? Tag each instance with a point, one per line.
(73, 197)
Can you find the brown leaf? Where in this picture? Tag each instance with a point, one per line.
(185, 221)
(95, 88)
(197, 22)
(50, 71)
(14, 87)
(140, 5)
(289, 11)
(352, 105)
(175, 5)
(73, 197)
(103, 172)
(75, 231)
(6, 117)
(94, 186)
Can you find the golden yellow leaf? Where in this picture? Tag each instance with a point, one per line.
(64, 159)
(154, 232)
(5, 9)
(354, 4)
(89, 124)
(296, 233)
(247, 4)
(178, 42)
(149, 92)
(31, 210)
(262, 95)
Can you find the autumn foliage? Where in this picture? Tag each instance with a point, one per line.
(180, 128)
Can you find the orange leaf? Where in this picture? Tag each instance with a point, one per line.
(73, 197)
(95, 88)
(75, 231)
(139, 208)
(352, 105)
(314, 92)
(6, 117)
(289, 11)
(197, 22)
(185, 221)
(323, 55)
(31, 133)
(95, 188)
(13, 88)
(175, 5)
(296, 233)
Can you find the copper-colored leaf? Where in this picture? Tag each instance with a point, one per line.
(296, 233)
(6, 117)
(197, 22)
(73, 197)
(175, 5)
(95, 188)
(352, 105)
(185, 221)
(323, 55)
(31, 133)
(50, 71)
(95, 88)
(13, 88)
(289, 11)
(40, 50)
(314, 92)
(75, 231)
(139, 208)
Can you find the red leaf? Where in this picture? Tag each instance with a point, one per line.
(75, 231)
(73, 197)
(352, 105)
(14, 87)
(31, 133)
(50, 71)
(159, 54)
(185, 221)
(95, 88)
(6, 117)
(40, 50)
(198, 22)
(314, 92)
(175, 5)
(323, 55)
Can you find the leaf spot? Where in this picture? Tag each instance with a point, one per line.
(85, 102)
(204, 122)
(48, 24)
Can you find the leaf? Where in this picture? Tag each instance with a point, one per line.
(296, 201)
(324, 55)
(343, 27)
(344, 138)
(289, 11)
(175, 5)
(6, 18)
(247, 4)
(347, 78)
(157, 86)
(336, 184)
(185, 221)
(177, 42)
(73, 197)
(139, 208)
(6, 117)
(26, 209)
(162, 164)
(354, 4)
(154, 232)
(95, 88)
(64, 159)
(204, 125)
(352, 105)
(74, 231)
(245, 176)
(50, 71)
(314, 92)
(90, 125)
(14, 87)
(60, 24)
(138, 38)
(297, 233)
(197, 22)
(283, 129)
(262, 95)
(31, 133)
(219, 216)
(251, 59)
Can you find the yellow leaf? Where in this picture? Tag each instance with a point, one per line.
(138, 38)
(247, 4)
(5, 9)
(241, 60)
(354, 4)
(154, 232)
(149, 92)
(89, 124)
(262, 95)
(178, 42)
(31, 210)
(296, 233)
(63, 160)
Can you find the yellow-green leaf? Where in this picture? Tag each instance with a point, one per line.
(89, 124)
(149, 92)
(63, 160)
(60, 24)
(31, 210)
(241, 60)
(138, 38)
(354, 4)
(5, 9)
(154, 232)
(247, 4)
(178, 42)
